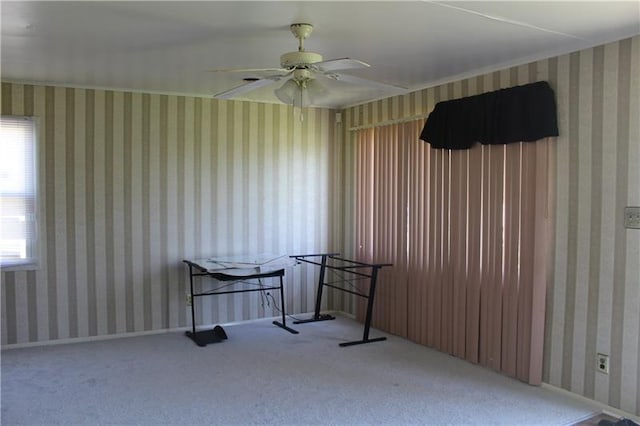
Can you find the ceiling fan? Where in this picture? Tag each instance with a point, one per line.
(300, 69)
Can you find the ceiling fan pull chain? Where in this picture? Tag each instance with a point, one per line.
(302, 87)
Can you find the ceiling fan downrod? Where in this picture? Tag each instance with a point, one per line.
(301, 32)
(300, 58)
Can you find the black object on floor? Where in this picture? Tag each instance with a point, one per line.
(204, 337)
(621, 422)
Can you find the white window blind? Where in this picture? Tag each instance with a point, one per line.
(17, 191)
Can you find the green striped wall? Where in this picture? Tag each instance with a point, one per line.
(133, 183)
(593, 304)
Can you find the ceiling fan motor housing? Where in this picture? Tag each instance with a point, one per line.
(302, 76)
(299, 59)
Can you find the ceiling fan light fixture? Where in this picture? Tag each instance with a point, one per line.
(288, 93)
(295, 93)
(302, 75)
(301, 90)
(315, 90)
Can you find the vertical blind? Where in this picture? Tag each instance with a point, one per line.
(381, 219)
(17, 191)
(469, 234)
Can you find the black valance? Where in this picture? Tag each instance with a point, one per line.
(520, 113)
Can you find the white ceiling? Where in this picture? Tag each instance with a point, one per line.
(168, 46)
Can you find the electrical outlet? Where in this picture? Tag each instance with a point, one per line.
(632, 217)
(189, 301)
(602, 363)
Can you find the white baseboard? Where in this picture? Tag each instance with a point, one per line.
(344, 314)
(133, 333)
(86, 339)
(604, 408)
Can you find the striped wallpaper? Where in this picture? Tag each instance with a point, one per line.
(133, 183)
(593, 303)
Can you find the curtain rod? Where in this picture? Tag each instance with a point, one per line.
(387, 122)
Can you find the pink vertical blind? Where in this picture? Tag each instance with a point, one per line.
(381, 230)
(469, 234)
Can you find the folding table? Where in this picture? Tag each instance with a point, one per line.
(234, 276)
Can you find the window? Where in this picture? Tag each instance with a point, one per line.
(18, 243)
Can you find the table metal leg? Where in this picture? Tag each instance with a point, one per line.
(317, 316)
(204, 337)
(283, 324)
(193, 312)
(367, 321)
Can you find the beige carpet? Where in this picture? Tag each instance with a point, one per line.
(264, 375)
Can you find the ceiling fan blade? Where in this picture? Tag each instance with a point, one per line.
(340, 64)
(228, 94)
(252, 70)
(366, 82)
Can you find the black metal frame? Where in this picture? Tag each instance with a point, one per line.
(351, 267)
(217, 334)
